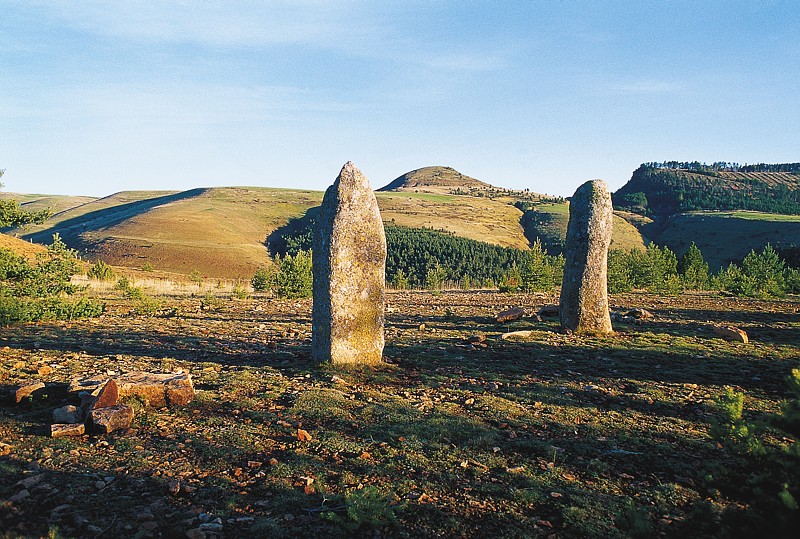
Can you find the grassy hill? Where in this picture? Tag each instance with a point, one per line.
(222, 232)
(56, 203)
(21, 247)
(444, 180)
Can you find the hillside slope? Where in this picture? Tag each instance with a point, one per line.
(442, 180)
(21, 247)
(669, 188)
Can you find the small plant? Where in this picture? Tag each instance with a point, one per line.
(101, 271)
(264, 279)
(147, 266)
(294, 279)
(239, 292)
(210, 302)
(434, 278)
(366, 508)
(196, 277)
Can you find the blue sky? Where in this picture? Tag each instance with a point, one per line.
(100, 97)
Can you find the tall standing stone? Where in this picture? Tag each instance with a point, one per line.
(349, 266)
(584, 291)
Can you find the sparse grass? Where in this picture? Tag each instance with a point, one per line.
(555, 434)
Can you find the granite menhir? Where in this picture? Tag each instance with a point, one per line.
(349, 267)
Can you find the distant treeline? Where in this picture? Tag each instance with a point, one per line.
(667, 189)
(722, 166)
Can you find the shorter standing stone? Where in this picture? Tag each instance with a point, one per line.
(68, 415)
(106, 420)
(584, 290)
(61, 430)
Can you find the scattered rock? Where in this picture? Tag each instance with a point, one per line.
(524, 334)
(548, 311)
(584, 290)
(731, 333)
(44, 370)
(106, 420)
(60, 430)
(303, 435)
(349, 267)
(108, 396)
(509, 315)
(475, 339)
(21, 391)
(196, 533)
(157, 390)
(5, 449)
(68, 415)
(640, 314)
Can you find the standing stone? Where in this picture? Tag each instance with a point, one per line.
(349, 266)
(584, 291)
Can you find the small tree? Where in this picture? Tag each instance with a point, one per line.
(295, 278)
(435, 277)
(11, 214)
(619, 271)
(264, 279)
(693, 269)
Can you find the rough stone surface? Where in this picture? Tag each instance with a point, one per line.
(68, 414)
(106, 420)
(509, 315)
(583, 306)
(349, 266)
(68, 429)
(523, 334)
(732, 333)
(24, 390)
(157, 390)
(108, 396)
(548, 311)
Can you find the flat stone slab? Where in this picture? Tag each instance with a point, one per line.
(68, 429)
(732, 333)
(509, 315)
(106, 420)
(157, 390)
(68, 415)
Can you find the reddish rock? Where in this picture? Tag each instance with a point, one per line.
(475, 339)
(108, 396)
(509, 315)
(157, 390)
(106, 420)
(67, 429)
(731, 333)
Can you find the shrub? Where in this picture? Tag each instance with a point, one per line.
(264, 279)
(761, 275)
(101, 271)
(32, 292)
(295, 278)
(693, 269)
(400, 280)
(767, 453)
(435, 277)
(239, 292)
(619, 272)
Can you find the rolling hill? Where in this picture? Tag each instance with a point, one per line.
(223, 232)
(442, 180)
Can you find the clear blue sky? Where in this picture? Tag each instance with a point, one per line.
(99, 97)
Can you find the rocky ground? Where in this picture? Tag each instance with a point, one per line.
(460, 433)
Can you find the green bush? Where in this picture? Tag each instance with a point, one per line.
(264, 279)
(400, 280)
(693, 269)
(763, 471)
(295, 278)
(101, 271)
(620, 276)
(434, 278)
(33, 292)
(761, 275)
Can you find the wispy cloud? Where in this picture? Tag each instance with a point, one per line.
(231, 23)
(644, 87)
